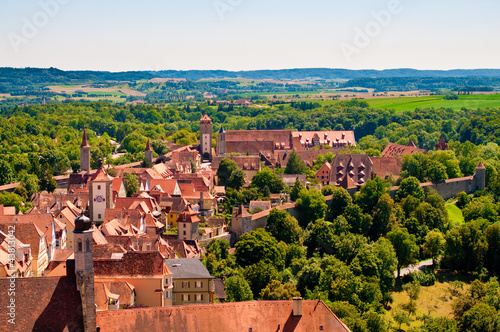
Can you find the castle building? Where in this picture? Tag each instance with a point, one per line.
(85, 153)
(206, 138)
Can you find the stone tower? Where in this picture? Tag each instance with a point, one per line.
(84, 270)
(221, 142)
(206, 138)
(480, 177)
(100, 195)
(85, 153)
(148, 153)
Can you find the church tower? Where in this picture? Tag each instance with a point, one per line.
(100, 194)
(84, 270)
(85, 153)
(148, 153)
(206, 138)
(221, 142)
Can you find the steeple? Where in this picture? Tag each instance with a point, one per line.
(84, 139)
(85, 153)
(148, 152)
(206, 138)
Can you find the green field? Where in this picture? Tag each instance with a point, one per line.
(454, 213)
(411, 103)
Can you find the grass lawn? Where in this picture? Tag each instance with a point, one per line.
(454, 213)
(411, 103)
(435, 300)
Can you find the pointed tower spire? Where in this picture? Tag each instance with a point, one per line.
(85, 153)
(84, 139)
(148, 153)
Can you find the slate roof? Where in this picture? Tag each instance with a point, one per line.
(187, 268)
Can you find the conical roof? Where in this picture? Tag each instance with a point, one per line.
(85, 143)
(148, 146)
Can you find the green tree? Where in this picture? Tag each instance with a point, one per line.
(276, 291)
(297, 187)
(370, 194)
(311, 205)
(268, 178)
(295, 165)
(226, 168)
(259, 275)
(6, 174)
(340, 200)
(383, 217)
(410, 187)
(131, 183)
(237, 179)
(404, 245)
(259, 245)
(436, 171)
(159, 146)
(434, 244)
(480, 318)
(218, 247)
(284, 227)
(360, 222)
(238, 289)
(492, 259)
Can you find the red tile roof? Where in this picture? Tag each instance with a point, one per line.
(393, 150)
(133, 264)
(43, 304)
(239, 316)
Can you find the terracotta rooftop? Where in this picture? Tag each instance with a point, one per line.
(239, 316)
(101, 176)
(393, 150)
(132, 264)
(43, 304)
(385, 166)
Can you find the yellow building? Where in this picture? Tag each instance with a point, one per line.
(146, 271)
(192, 281)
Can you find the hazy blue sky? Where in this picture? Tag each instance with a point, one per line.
(120, 35)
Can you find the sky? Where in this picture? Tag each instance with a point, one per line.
(119, 35)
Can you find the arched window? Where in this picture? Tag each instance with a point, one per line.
(80, 246)
(87, 245)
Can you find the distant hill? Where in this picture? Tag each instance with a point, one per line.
(56, 76)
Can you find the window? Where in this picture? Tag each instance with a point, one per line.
(168, 281)
(199, 297)
(198, 284)
(184, 225)
(99, 216)
(87, 245)
(173, 297)
(186, 297)
(184, 233)
(80, 246)
(98, 187)
(185, 284)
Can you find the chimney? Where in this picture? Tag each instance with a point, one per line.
(297, 307)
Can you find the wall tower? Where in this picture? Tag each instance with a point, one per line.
(206, 138)
(85, 153)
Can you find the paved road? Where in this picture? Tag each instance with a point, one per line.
(417, 267)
